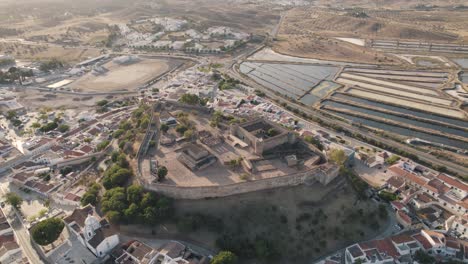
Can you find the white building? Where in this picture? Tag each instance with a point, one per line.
(92, 231)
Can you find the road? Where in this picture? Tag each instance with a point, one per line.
(423, 156)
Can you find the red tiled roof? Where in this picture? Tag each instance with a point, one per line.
(395, 182)
(56, 148)
(407, 175)
(384, 245)
(71, 153)
(94, 131)
(452, 243)
(423, 241)
(72, 197)
(397, 205)
(6, 239)
(404, 217)
(86, 149)
(22, 176)
(425, 198)
(403, 238)
(453, 182)
(438, 185)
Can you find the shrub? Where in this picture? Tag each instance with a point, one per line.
(47, 231)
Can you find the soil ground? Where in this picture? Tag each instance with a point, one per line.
(122, 77)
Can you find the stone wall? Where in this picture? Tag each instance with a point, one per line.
(179, 192)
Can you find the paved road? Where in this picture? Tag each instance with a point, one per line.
(422, 155)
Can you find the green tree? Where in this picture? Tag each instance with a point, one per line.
(164, 128)
(114, 200)
(14, 200)
(162, 173)
(47, 231)
(92, 195)
(191, 99)
(144, 122)
(63, 128)
(36, 125)
(11, 115)
(180, 128)
(224, 257)
(114, 216)
(134, 193)
(132, 212)
(264, 249)
(48, 127)
(393, 159)
(102, 103)
(338, 156)
(188, 134)
(102, 145)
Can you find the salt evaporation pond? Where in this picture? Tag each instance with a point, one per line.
(405, 132)
(462, 62)
(292, 80)
(457, 122)
(400, 119)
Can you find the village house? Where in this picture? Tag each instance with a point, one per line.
(401, 248)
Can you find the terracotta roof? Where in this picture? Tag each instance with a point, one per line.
(452, 243)
(403, 238)
(404, 217)
(423, 197)
(453, 182)
(79, 215)
(407, 175)
(438, 185)
(6, 238)
(86, 149)
(71, 153)
(383, 246)
(72, 197)
(423, 241)
(56, 148)
(397, 205)
(94, 131)
(10, 245)
(23, 176)
(395, 182)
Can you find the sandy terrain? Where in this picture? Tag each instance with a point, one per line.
(122, 77)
